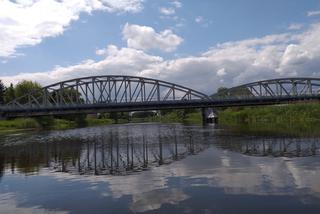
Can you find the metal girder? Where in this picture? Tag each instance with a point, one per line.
(106, 90)
(284, 87)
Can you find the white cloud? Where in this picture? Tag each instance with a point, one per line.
(26, 23)
(230, 63)
(146, 38)
(199, 19)
(101, 52)
(295, 26)
(167, 11)
(9, 203)
(221, 72)
(122, 5)
(153, 200)
(314, 13)
(176, 3)
(117, 61)
(202, 21)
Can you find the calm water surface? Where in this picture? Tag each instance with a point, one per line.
(158, 168)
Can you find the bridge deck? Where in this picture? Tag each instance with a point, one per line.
(126, 107)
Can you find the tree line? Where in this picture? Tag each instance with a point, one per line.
(8, 94)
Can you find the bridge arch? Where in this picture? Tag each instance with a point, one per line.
(282, 87)
(108, 89)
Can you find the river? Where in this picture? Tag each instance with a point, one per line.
(158, 168)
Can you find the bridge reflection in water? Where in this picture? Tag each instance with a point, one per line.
(274, 146)
(121, 150)
(117, 151)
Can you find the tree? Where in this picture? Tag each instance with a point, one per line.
(9, 94)
(2, 92)
(70, 95)
(25, 87)
(221, 92)
(224, 92)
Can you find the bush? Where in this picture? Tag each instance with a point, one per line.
(46, 121)
(19, 123)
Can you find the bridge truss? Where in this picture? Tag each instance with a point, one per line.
(106, 90)
(285, 87)
(128, 93)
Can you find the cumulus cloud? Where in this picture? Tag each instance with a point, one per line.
(227, 64)
(9, 203)
(116, 61)
(146, 38)
(314, 13)
(176, 3)
(199, 19)
(295, 26)
(26, 23)
(123, 5)
(167, 11)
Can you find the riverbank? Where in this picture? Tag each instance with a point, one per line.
(22, 124)
(293, 120)
(48, 123)
(171, 117)
(283, 119)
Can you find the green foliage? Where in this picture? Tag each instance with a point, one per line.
(224, 92)
(143, 114)
(78, 119)
(113, 116)
(274, 114)
(64, 124)
(279, 118)
(170, 117)
(178, 115)
(24, 87)
(69, 95)
(97, 122)
(191, 116)
(2, 92)
(45, 121)
(21, 123)
(9, 94)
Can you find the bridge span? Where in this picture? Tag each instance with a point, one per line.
(128, 93)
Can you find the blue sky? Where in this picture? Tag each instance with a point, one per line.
(223, 42)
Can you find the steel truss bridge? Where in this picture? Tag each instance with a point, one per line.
(129, 93)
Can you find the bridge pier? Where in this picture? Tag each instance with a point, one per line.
(209, 116)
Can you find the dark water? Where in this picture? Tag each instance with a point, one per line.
(157, 168)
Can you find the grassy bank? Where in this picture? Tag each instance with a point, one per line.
(60, 124)
(98, 122)
(297, 119)
(21, 123)
(190, 118)
(55, 124)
